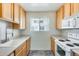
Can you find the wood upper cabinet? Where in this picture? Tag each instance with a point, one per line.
(67, 10)
(53, 46)
(6, 11)
(61, 13)
(59, 17)
(16, 13)
(22, 18)
(74, 8)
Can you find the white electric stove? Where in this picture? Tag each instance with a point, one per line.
(65, 46)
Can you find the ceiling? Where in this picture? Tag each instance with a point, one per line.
(36, 7)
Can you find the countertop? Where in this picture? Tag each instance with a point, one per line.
(12, 45)
(57, 37)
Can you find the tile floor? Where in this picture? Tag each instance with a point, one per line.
(40, 53)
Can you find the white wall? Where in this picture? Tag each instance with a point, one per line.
(51, 15)
(41, 40)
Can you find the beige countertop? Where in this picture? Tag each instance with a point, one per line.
(9, 47)
(57, 37)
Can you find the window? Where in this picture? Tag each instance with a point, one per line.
(39, 24)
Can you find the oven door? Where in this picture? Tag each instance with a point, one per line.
(60, 51)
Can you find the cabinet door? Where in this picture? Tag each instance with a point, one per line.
(61, 13)
(74, 8)
(59, 18)
(21, 50)
(12, 12)
(16, 13)
(20, 53)
(66, 10)
(53, 46)
(18, 49)
(7, 11)
(24, 50)
(28, 45)
(22, 19)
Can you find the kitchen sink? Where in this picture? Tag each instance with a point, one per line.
(7, 44)
(11, 43)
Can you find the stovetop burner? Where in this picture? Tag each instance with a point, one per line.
(76, 44)
(62, 40)
(70, 45)
(67, 40)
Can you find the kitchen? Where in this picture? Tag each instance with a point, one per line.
(39, 29)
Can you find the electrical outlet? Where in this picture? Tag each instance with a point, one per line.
(77, 36)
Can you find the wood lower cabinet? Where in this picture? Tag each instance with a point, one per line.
(53, 46)
(20, 53)
(20, 50)
(23, 49)
(28, 45)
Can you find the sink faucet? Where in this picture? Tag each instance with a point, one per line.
(3, 41)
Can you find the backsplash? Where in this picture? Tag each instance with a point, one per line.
(6, 31)
(23, 32)
(16, 33)
(2, 31)
(66, 31)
